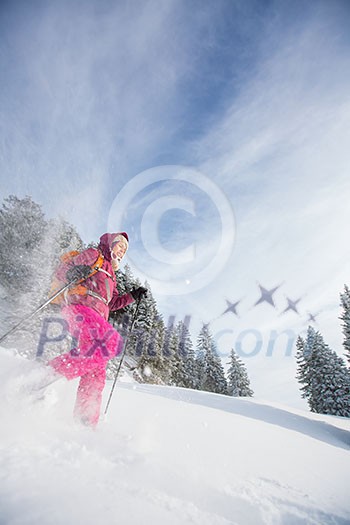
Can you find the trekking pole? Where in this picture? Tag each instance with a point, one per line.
(41, 307)
(123, 354)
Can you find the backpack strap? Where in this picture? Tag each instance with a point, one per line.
(97, 267)
(107, 273)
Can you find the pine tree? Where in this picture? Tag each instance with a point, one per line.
(323, 375)
(121, 319)
(125, 283)
(345, 317)
(152, 365)
(30, 248)
(238, 380)
(170, 350)
(185, 371)
(303, 371)
(203, 346)
(212, 376)
(63, 237)
(22, 227)
(58, 238)
(170, 342)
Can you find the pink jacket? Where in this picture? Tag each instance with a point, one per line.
(103, 285)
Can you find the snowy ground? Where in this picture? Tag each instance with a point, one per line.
(167, 456)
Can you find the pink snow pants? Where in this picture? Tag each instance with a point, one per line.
(95, 342)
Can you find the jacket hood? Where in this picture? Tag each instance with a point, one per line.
(107, 240)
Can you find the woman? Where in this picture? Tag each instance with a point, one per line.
(86, 309)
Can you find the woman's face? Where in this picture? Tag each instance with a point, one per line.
(118, 253)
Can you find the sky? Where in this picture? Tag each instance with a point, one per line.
(215, 133)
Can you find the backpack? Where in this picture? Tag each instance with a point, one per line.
(79, 288)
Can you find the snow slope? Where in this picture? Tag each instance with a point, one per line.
(167, 456)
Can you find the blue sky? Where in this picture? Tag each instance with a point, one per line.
(172, 119)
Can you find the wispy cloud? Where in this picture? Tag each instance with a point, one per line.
(95, 94)
(281, 154)
(90, 96)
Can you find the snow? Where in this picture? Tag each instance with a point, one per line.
(167, 455)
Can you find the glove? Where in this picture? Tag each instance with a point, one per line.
(137, 293)
(81, 271)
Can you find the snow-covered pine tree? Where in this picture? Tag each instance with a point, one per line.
(200, 360)
(147, 319)
(159, 363)
(185, 371)
(59, 237)
(152, 365)
(170, 351)
(238, 384)
(345, 317)
(170, 343)
(63, 236)
(30, 248)
(121, 319)
(323, 375)
(303, 371)
(22, 227)
(212, 376)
